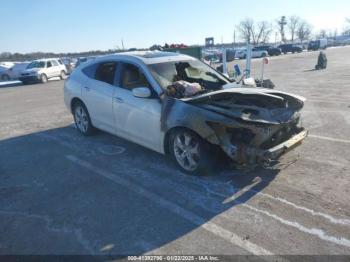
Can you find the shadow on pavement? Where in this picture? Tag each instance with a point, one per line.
(51, 205)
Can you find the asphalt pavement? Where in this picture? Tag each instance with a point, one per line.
(62, 193)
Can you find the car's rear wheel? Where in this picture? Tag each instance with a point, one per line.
(62, 75)
(82, 119)
(190, 152)
(43, 78)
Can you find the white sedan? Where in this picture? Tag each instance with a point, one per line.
(177, 105)
(242, 53)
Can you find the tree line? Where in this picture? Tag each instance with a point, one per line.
(7, 56)
(297, 28)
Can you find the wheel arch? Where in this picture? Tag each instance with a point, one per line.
(74, 101)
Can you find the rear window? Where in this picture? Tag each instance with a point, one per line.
(105, 72)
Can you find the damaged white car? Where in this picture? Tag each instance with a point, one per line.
(177, 105)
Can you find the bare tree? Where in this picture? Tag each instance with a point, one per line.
(292, 25)
(335, 34)
(347, 28)
(246, 29)
(282, 22)
(322, 33)
(254, 33)
(262, 32)
(303, 31)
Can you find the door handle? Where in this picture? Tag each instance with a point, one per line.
(87, 88)
(118, 99)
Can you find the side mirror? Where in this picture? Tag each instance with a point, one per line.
(141, 92)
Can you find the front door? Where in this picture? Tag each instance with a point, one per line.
(137, 119)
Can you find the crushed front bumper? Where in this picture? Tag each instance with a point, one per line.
(276, 151)
(245, 155)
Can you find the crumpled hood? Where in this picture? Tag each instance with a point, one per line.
(243, 91)
(251, 104)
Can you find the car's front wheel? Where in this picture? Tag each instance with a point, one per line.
(190, 152)
(63, 75)
(82, 119)
(43, 78)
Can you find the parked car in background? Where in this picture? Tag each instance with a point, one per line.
(12, 71)
(148, 98)
(213, 55)
(230, 54)
(217, 55)
(69, 63)
(290, 48)
(81, 60)
(272, 51)
(317, 44)
(43, 69)
(4, 72)
(242, 53)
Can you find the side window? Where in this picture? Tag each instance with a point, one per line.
(132, 77)
(49, 64)
(54, 62)
(105, 72)
(90, 70)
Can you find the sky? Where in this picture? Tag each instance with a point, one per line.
(82, 25)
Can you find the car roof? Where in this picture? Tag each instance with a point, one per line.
(149, 57)
(45, 59)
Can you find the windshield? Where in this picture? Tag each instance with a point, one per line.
(192, 71)
(36, 64)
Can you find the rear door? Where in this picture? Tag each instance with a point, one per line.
(137, 119)
(56, 70)
(49, 69)
(97, 95)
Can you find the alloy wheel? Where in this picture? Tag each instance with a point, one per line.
(186, 151)
(81, 119)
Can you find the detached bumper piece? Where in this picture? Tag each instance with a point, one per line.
(277, 151)
(245, 155)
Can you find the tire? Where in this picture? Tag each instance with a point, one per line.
(5, 77)
(263, 55)
(190, 152)
(43, 78)
(82, 119)
(63, 75)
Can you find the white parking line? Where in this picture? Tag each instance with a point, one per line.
(174, 208)
(312, 231)
(330, 138)
(330, 218)
(328, 101)
(213, 227)
(308, 210)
